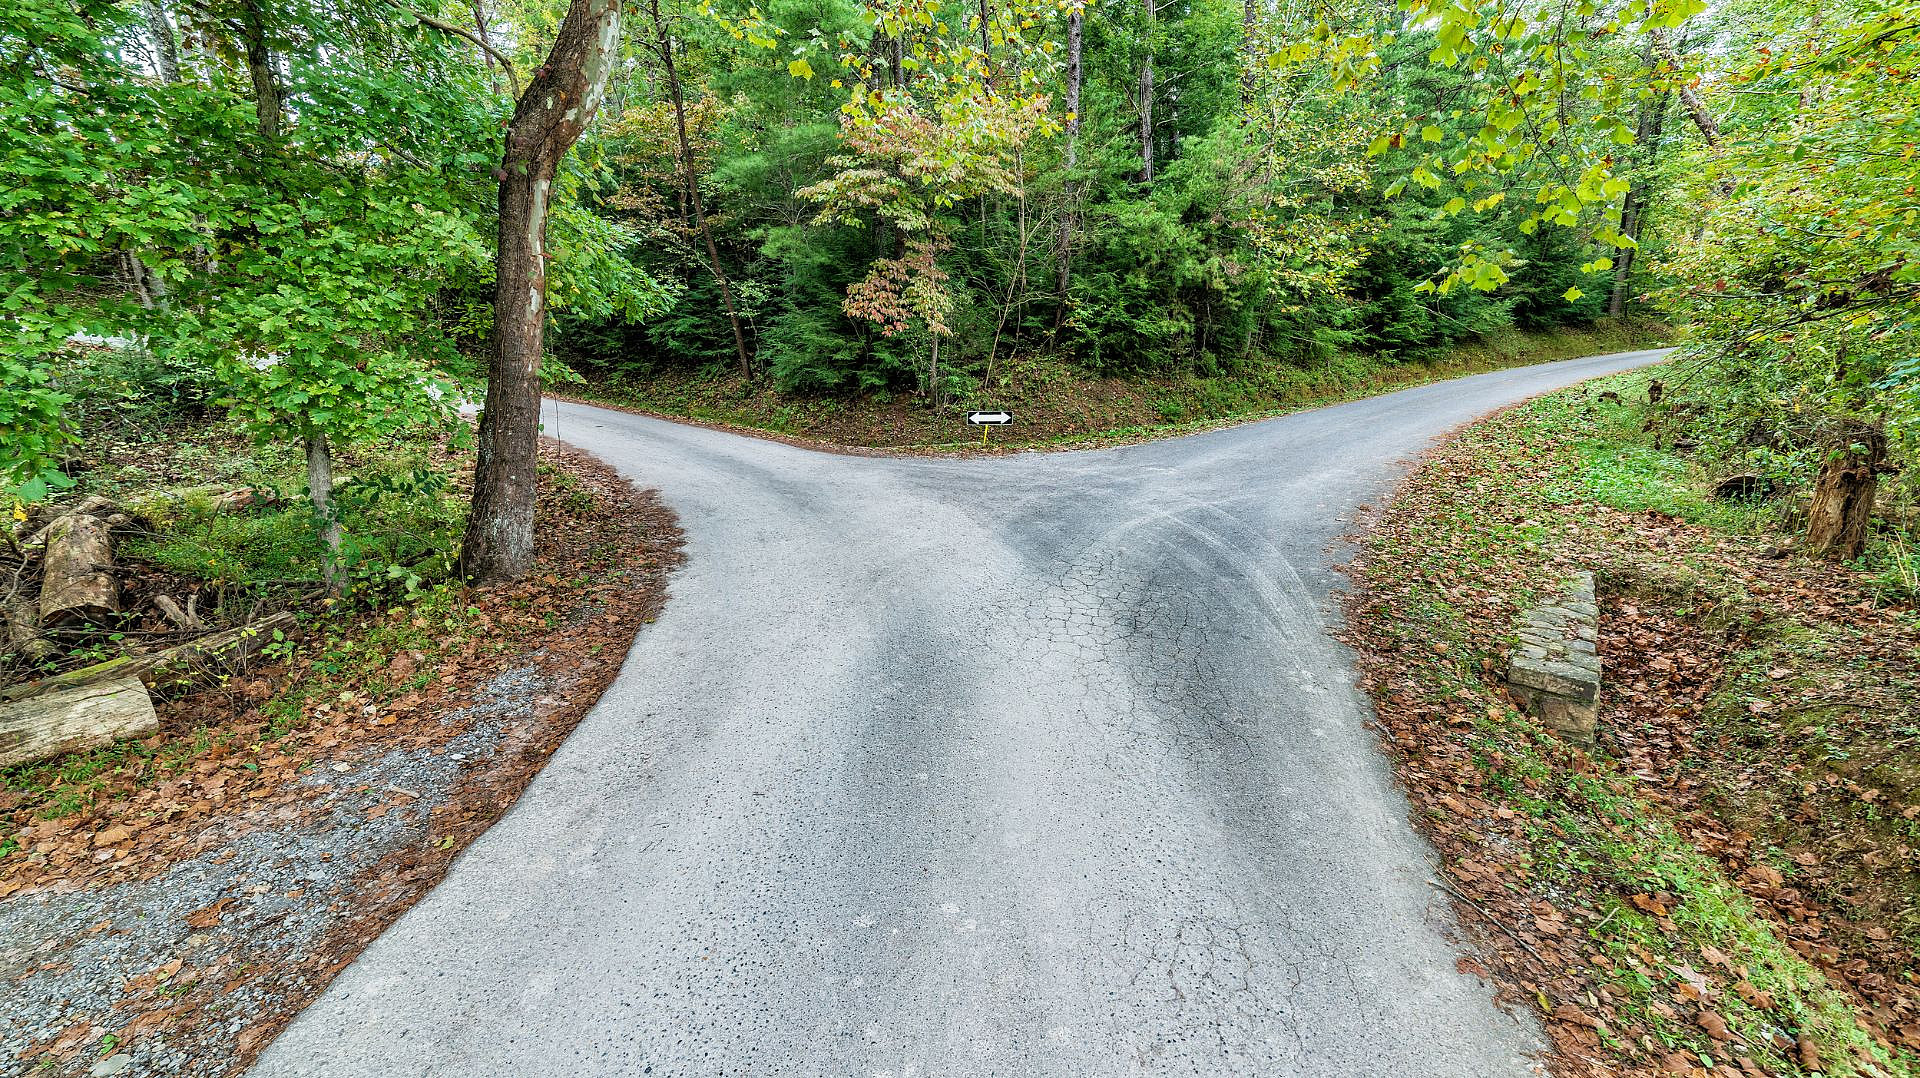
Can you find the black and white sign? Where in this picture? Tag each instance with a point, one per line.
(989, 419)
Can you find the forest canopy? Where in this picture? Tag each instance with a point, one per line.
(290, 204)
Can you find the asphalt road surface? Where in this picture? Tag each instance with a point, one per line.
(1039, 764)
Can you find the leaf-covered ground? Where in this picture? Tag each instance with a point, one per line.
(166, 906)
(1725, 884)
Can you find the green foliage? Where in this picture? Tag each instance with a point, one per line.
(1801, 272)
(400, 521)
(92, 174)
(876, 214)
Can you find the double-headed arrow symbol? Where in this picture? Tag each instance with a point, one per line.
(982, 419)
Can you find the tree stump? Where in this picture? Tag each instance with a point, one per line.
(1842, 505)
(77, 583)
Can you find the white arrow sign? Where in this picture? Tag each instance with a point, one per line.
(980, 419)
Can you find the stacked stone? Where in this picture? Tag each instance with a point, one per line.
(1555, 672)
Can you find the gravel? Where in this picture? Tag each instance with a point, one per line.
(68, 958)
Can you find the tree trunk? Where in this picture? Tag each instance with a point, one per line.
(166, 50)
(320, 493)
(1648, 133)
(1063, 267)
(1842, 503)
(691, 184)
(933, 373)
(1623, 259)
(1146, 104)
(266, 87)
(986, 47)
(556, 107)
(150, 290)
(1249, 25)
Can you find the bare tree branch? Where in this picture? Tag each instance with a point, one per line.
(513, 78)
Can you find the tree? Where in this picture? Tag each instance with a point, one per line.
(552, 112)
(690, 183)
(1800, 267)
(952, 131)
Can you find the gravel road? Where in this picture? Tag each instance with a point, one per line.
(1041, 764)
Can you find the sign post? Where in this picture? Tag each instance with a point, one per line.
(986, 421)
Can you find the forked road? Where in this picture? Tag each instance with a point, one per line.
(1030, 765)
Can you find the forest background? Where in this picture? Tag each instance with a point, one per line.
(289, 207)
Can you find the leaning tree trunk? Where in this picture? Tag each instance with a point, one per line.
(1842, 504)
(1146, 104)
(1689, 98)
(556, 107)
(690, 184)
(1070, 191)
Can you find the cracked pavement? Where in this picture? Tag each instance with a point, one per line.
(1039, 764)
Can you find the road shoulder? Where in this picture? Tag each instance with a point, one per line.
(1722, 883)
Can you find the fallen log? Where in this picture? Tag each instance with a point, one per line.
(93, 505)
(74, 719)
(77, 582)
(173, 667)
(23, 631)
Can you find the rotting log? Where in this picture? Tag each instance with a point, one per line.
(74, 719)
(23, 631)
(175, 666)
(77, 582)
(93, 505)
